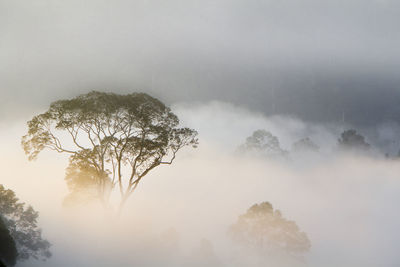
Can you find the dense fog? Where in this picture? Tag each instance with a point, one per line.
(180, 214)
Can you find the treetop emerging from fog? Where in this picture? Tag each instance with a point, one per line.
(351, 140)
(263, 230)
(118, 139)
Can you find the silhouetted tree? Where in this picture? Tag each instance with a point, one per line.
(262, 142)
(264, 231)
(305, 145)
(8, 250)
(351, 140)
(114, 140)
(21, 222)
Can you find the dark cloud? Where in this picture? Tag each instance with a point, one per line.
(316, 60)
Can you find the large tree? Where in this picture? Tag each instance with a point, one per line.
(113, 141)
(20, 222)
(266, 233)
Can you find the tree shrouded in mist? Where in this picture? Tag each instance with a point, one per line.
(113, 141)
(21, 223)
(262, 142)
(352, 141)
(305, 145)
(263, 231)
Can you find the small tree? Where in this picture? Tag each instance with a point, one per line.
(265, 232)
(262, 142)
(114, 141)
(21, 223)
(305, 145)
(351, 140)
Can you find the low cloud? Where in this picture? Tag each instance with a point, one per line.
(346, 204)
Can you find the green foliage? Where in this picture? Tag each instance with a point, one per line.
(114, 140)
(21, 222)
(263, 230)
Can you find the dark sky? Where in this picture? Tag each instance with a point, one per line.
(313, 59)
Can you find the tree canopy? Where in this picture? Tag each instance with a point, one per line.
(113, 141)
(21, 222)
(266, 232)
(264, 143)
(351, 140)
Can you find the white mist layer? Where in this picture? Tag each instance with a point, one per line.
(346, 204)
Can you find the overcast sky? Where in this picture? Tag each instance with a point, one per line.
(310, 58)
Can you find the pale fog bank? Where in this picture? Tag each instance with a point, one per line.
(180, 214)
